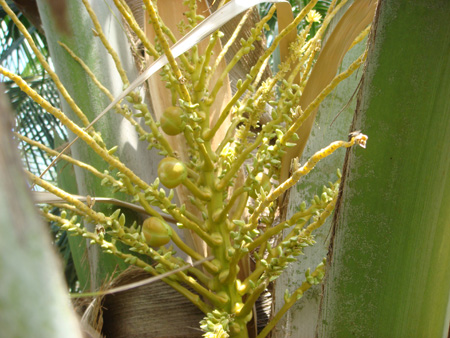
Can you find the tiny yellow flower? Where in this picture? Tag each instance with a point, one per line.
(228, 152)
(313, 16)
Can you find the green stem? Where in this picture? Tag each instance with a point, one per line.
(191, 252)
(196, 191)
(230, 203)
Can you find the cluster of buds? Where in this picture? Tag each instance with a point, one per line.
(285, 254)
(216, 324)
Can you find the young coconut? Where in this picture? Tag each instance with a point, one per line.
(171, 121)
(173, 172)
(156, 231)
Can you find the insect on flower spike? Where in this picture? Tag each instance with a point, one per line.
(205, 28)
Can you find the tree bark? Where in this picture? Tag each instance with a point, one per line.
(390, 251)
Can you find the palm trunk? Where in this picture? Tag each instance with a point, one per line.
(390, 251)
